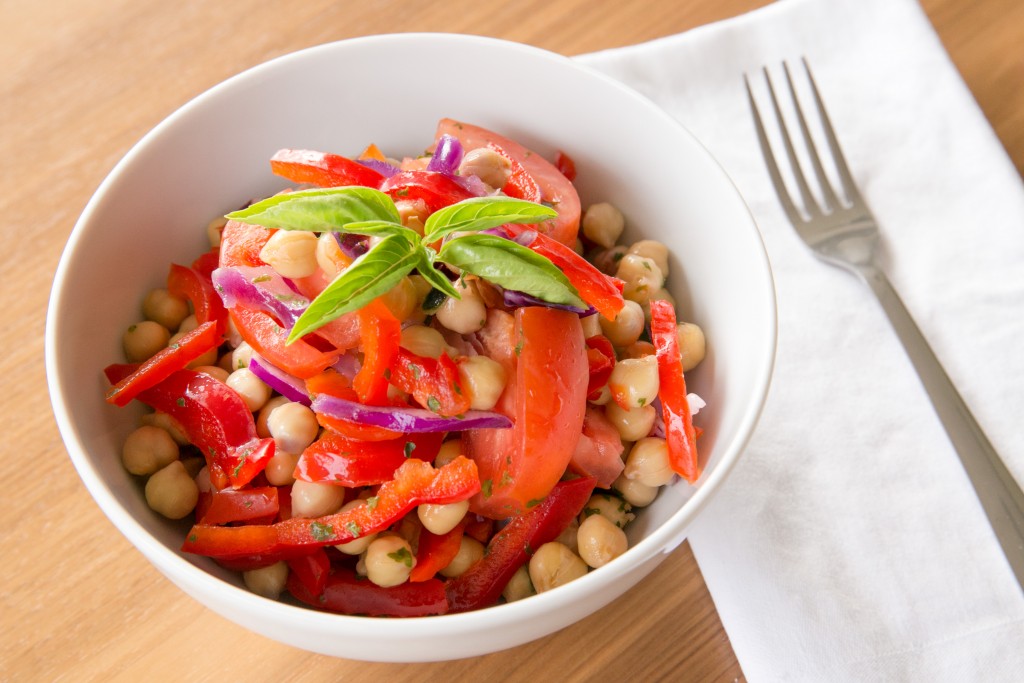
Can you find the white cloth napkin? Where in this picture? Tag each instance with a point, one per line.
(848, 544)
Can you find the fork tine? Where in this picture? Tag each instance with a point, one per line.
(773, 169)
(831, 201)
(810, 204)
(849, 187)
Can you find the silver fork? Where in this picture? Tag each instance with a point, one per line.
(844, 233)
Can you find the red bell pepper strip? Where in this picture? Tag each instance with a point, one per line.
(675, 410)
(565, 165)
(322, 169)
(162, 365)
(435, 384)
(481, 585)
(311, 571)
(227, 506)
(520, 183)
(480, 528)
(261, 331)
(601, 358)
(596, 288)
(206, 303)
(435, 552)
(435, 189)
(215, 420)
(206, 263)
(345, 593)
(333, 459)
(415, 482)
(380, 333)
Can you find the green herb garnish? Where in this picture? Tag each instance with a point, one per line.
(402, 555)
(400, 251)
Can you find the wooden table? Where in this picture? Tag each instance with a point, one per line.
(81, 81)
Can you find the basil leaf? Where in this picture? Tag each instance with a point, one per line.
(512, 266)
(379, 228)
(369, 276)
(320, 209)
(483, 213)
(436, 278)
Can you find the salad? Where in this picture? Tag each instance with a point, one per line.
(398, 388)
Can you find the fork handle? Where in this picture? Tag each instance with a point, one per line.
(997, 490)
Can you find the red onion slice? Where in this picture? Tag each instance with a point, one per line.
(289, 386)
(408, 420)
(261, 288)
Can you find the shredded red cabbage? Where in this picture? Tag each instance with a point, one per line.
(292, 388)
(261, 288)
(409, 420)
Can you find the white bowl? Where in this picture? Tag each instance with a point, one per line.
(212, 155)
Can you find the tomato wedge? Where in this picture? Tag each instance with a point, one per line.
(519, 466)
(241, 244)
(323, 169)
(436, 190)
(262, 332)
(555, 188)
(598, 453)
(435, 384)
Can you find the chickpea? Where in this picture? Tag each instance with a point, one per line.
(647, 462)
(189, 323)
(638, 349)
(202, 480)
(359, 545)
(450, 450)
(262, 430)
(440, 519)
(389, 561)
(218, 373)
(267, 581)
(642, 276)
(654, 250)
(172, 492)
(484, 379)
(633, 424)
(607, 260)
(603, 224)
(626, 327)
(250, 387)
(519, 586)
(293, 426)
(292, 253)
(692, 346)
(241, 356)
(402, 299)
(553, 565)
(215, 229)
(591, 326)
(568, 536)
(470, 552)
(413, 213)
(143, 340)
(314, 499)
(423, 341)
(634, 381)
(634, 492)
(163, 307)
(600, 541)
(147, 450)
(487, 165)
(465, 315)
(280, 469)
(612, 508)
(167, 423)
(329, 256)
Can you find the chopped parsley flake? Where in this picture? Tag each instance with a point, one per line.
(534, 503)
(433, 404)
(402, 555)
(180, 402)
(485, 487)
(372, 501)
(409, 448)
(353, 529)
(322, 532)
(506, 479)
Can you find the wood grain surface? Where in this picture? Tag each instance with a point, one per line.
(83, 80)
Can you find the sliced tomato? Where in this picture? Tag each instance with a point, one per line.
(601, 361)
(323, 169)
(548, 390)
(436, 190)
(241, 244)
(263, 334)
(565, 165)
(598, 453)
(555, 188)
